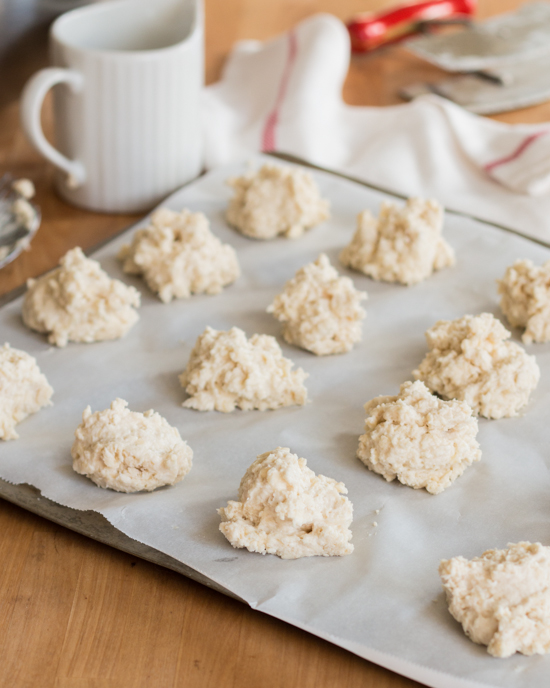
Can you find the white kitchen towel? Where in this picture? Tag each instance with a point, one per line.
(526, 167)
(286, 95)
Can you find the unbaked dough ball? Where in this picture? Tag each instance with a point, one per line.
(226, 370)
(178, 255)
(25, 213)
(23, 389)
(470, 360)
(129, 451)
(403, 245)
(525, 291)
(419, 439)
(285, 509)
(276, 200)
(320, 310)
(24, 188)
(79, 302)
(502, 598)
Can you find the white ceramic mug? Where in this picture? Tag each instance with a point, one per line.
(127, 77)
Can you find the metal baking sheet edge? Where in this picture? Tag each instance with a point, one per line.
(94, 525)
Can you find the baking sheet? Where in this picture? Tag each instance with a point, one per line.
(384, 602)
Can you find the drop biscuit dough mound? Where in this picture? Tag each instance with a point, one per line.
(25, 213)
(287, 510)
(226, 370)
(23, 389)
(128, 451)
(275, 201)
(525, 291)
(502, 598)
(470, 360)
(24, 188)
(419, 439)
(403, 245)
(320, 310)
(178, 255)
(79, 302)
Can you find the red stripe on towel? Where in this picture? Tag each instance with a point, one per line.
(269, 142)
(519, 150)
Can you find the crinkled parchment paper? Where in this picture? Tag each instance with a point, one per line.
(383, 602)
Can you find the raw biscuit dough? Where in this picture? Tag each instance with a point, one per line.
(403, 245)
(23, 389)
(502, 599)
(525, 291)
(419, 439)
(24, 187)
(178, 255)
(285, 509)
(79, 302)
(129, 451)
(470, 360)
(25, 213)
(226, 370)
(320, 310)
(275, 200)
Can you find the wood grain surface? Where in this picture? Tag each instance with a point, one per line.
(78, 614)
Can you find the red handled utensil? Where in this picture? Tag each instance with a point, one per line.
(371, 30)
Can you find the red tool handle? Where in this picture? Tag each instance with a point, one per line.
(373, 29)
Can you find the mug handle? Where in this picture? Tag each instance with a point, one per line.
(31, 105)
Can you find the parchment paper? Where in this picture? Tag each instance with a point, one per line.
(384, 602)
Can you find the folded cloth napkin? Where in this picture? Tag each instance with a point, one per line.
(286, 95)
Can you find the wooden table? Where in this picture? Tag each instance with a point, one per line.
(78, 614)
